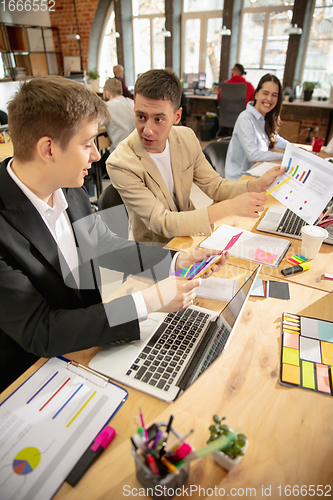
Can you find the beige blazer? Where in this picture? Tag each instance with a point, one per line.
(150, 208)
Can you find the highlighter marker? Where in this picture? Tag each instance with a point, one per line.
(296, 269)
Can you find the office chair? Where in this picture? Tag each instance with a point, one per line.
(117, 218)
(216, 152)
(232, 102)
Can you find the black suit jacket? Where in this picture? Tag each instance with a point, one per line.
(43, 314)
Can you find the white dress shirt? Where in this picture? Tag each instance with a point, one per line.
(58, 223)
(249, 144)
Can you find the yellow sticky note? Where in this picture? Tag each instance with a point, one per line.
(290, 356)
(327, 353)
(308, 377)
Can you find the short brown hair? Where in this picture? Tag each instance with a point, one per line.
(50, 106)
(114, 86)
(160, 85)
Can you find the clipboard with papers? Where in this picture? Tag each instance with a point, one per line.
(48, 423)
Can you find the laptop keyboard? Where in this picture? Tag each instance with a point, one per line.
(161, 361)
(213, 350)
(291, 223)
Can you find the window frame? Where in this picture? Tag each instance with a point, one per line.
(266, 11)
(203, 16)
(151, 18)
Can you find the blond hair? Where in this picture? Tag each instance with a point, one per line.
(113, 86)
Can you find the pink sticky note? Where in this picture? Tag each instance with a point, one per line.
(265, 257)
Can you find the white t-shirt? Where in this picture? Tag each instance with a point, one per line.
(163, 163)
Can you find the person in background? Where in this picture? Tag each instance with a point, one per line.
(118, 72)
(121, 110)
(154, 169)
(255, 137)
(237, 73)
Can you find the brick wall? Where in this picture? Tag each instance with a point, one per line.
(316, 118)
(64, 19)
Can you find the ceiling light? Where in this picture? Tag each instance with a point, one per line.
(293, 30)
(73, 36)
(165, 33)
(224, 31)
(114, 33)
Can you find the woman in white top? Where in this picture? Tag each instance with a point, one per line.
(254, 136)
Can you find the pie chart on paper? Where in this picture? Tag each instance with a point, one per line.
(26, 461)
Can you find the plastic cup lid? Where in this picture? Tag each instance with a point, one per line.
(315, 232)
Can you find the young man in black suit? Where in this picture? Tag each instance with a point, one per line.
(52, 245)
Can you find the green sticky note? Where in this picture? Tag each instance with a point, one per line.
(308, 377)
(325, 330)
(290, 356)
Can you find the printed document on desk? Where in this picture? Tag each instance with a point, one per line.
(261, 169)
(310, 187)
(48, 423)
(250, 246)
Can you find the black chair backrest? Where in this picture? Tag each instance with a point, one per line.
(112, 210)
(216, 152)
(109, 198)
(232, 102)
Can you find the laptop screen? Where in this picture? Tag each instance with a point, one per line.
(231, 312)
(219, 334)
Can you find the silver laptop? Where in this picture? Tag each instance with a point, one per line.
(174, 349)
(282, 221)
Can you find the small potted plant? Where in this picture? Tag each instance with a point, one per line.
(232, 455)
(93, 76)
(308, 88)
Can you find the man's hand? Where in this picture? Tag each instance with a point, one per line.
(198, 255)
(261, 184)
(171, 294)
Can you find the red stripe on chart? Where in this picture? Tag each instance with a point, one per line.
(47, 402)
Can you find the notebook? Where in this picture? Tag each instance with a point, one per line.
(174, 349)
(281, 220)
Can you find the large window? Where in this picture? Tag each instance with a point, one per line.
(202, 23)
(263, 42)
(108, 51)
(148, 35)
(318, 66)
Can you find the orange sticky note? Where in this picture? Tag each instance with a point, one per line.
(327, 353)
(291, 374)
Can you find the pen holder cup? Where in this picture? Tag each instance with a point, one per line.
(158, 486)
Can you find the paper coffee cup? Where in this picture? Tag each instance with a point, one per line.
(312, 238)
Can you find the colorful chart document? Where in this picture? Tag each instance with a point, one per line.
(310, 187)
(249, 246)
(48, 423)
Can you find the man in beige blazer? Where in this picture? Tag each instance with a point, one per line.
(154, 168)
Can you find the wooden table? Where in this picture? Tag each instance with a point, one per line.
(323, 263)
(290, 431)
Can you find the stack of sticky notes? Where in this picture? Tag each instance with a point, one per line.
(307, 353)
(296, 260)
(274, 289)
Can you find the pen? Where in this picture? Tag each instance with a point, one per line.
(296, 269)
(152, 464)
(144, 427)
(101, 442)
(278, 185)
(158, 439)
